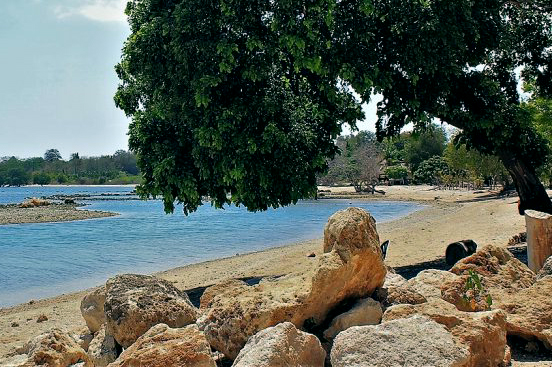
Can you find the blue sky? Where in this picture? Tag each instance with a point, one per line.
(57, 77)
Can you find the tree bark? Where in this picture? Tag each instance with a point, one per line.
(532, 194)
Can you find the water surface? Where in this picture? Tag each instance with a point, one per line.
(47, 259)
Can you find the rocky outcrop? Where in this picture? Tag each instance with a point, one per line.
(499, 268)
(281, 345)
(529, 311)
(102, 350)
(54, 348)
(499, 273)
(416, 341)
(92, 309)
(546, 269)
(364, 312)
(134, 303)
(428, 282)
(483, 334)
(351, 267)
(162, 346)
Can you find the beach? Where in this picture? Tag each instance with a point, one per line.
(14, 214)
(448, 216)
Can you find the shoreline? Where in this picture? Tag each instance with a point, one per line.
(13, 214)
(415, 238)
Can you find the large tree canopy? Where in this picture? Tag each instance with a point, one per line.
(241, 100)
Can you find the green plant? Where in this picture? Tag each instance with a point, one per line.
(474, 292)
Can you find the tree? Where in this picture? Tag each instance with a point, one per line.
(431, 171)
(41, 178)
(241, 101)
(462, 72)
(52, 155)
(423, 145)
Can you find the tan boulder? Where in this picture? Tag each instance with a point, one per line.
(92, 309)
(54, 348)
(546, 269)
(415, 341)
(529, 311)
(482, 333)
(134, 303)
(394, 280)
(351, 267)
(428, 282)
(281, 345)
(499, 273)
(162, 346)
(365, 312)
(212, 291)
(103, 349)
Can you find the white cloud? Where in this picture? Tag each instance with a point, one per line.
(97, 10)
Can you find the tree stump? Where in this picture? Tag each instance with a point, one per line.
(539, 238)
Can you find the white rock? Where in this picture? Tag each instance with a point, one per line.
(365, 312)
(428, 282)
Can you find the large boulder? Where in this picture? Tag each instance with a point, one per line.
(416, 341)
(499, 273)
(92, 309)
(529, 311)
(394, 280)
(281, 345)
(55, 348)
(103, 349)
(428, 282)
(483, 334)
(162, 346)
(364, 312)
(212, 291)
(351, 267)
(134, 303)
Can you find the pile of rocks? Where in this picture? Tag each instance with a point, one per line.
(348, 309)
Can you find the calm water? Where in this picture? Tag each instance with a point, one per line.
(42, 260)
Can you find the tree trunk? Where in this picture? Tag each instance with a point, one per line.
(532, 194)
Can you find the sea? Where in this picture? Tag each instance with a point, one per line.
(48, 259)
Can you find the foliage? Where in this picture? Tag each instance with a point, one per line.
(357, 164)
(242, 100)
(541, 112)
(396, 172)
(421, 146)
(474, 292)
(52, 155)
(431, 171)
(120, 167)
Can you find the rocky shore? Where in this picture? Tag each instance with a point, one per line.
(345, 307)
(54, 212)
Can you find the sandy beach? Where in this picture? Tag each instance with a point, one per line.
(14, 214)
(422, 236)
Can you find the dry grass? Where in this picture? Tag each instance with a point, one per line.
(33, 203)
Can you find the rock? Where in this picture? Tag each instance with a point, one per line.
(394, 280)
(162, 346)
(103, 349)
(83, 339)
(483, 334)
(398, 295)
(351, 267)
(212, 291)
(281, 345)
(364, 312)
(134, 303)
(92, 309)
(529, 311)
(498, 271)
(416, 341)
(311, 254)
(42, 318)
(54, 348)
(15, 324)
(428, 282)
(546, 269)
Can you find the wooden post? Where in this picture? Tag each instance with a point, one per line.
(539, 238)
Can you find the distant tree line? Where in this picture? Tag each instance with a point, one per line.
(119, 168)
(426, 157)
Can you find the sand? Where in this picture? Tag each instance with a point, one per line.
(422, 236)
(13, 214)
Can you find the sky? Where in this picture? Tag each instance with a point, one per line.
(57, 77)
